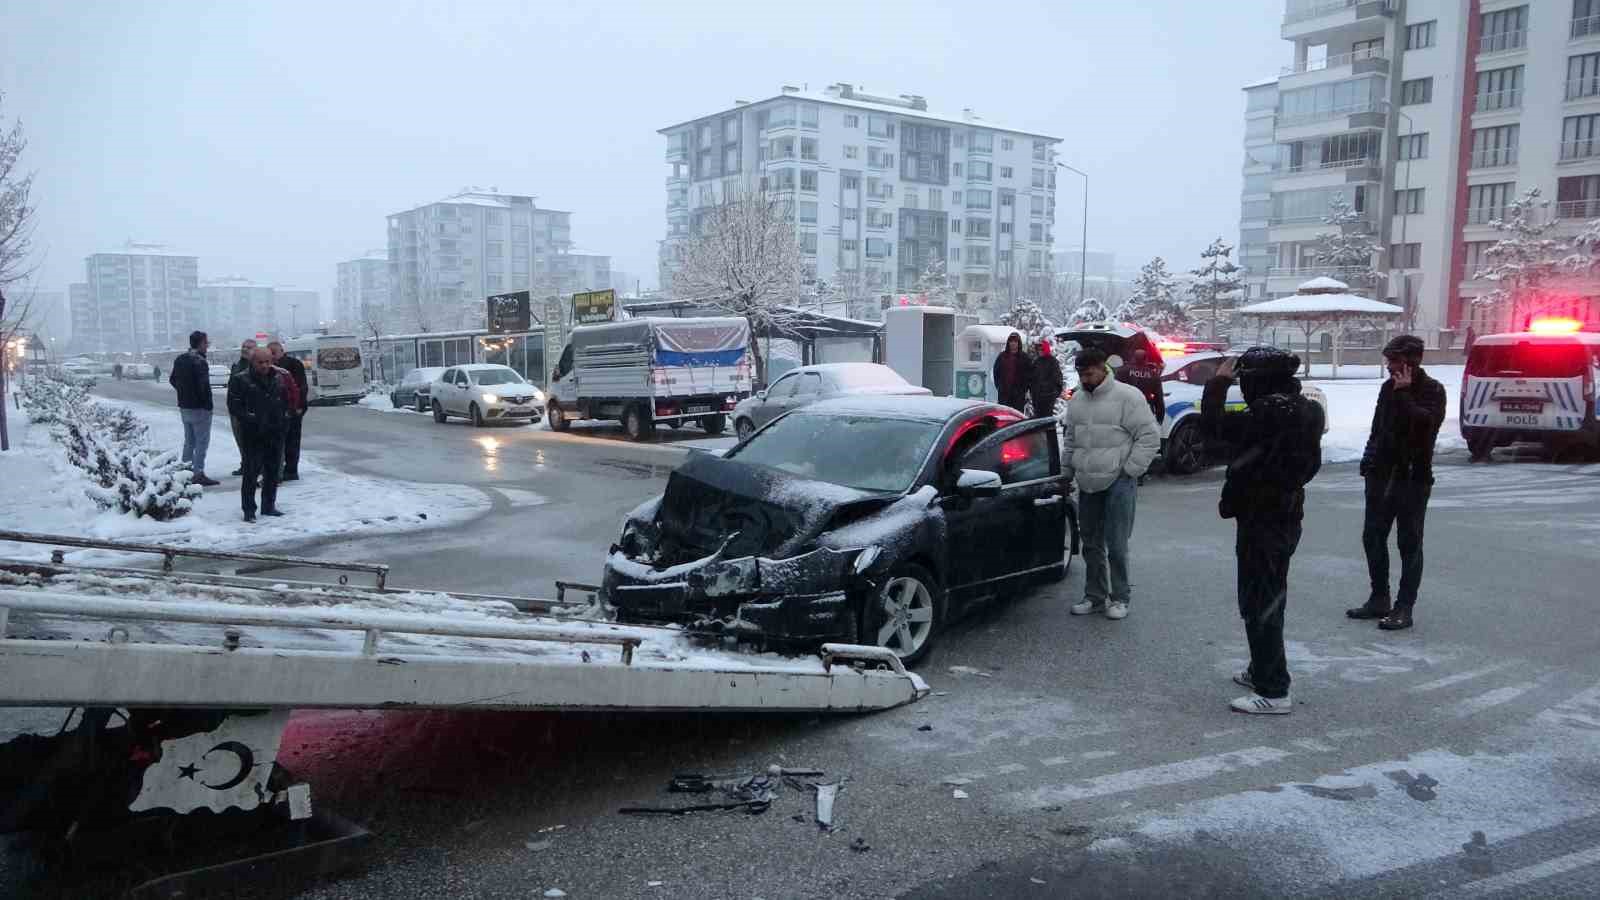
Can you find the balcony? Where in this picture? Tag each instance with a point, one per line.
(1579, 88)
(1575, 151)
(1306, 17)
(1312, 271)
(1586, 27)
(1353, 60)
(1360, 169)
(1494, 158)
(1498, 101)
(1483, 215)
(677, 181)
(677, 153)
(1365, 108)
(1502, 42)
(1302, 12)
(1578, 209)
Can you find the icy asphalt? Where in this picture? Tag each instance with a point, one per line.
(1098, 758)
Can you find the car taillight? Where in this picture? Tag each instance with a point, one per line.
(666, 409)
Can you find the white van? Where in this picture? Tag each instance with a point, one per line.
(333, 367)
(1535, 386)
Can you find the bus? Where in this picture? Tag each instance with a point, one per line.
(333, 367)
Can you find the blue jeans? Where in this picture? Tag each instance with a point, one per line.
(1105, 520)
(196, 438)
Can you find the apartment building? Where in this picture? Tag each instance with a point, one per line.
(1429, 117)
(295, 311)
(234, 308)
(881, 187)
(360, 284)
(136, 298)
(446, 258)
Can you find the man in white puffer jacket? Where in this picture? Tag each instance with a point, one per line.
(1109, 439)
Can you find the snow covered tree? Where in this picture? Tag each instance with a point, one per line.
(1347, 252)
(934, 284)
(16, 245)
(1028, 319)
(1155, 299)
(49, 401)
(1525, 259)
(1216, 286)
(744, 259)
(128, 476)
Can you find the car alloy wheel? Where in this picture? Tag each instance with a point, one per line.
(905, 614)
(438, 412)
(744, 428)
(476, 414)
(1185, 450)
(557, 416)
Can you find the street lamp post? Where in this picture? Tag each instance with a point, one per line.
(1083, 247)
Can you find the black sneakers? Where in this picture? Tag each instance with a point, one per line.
(1398, 620)
(1374, 608)
(274, 512)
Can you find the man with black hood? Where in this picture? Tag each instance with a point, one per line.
(1047, 382)
(1013, 374)
(1277, 450)
(1398, 468)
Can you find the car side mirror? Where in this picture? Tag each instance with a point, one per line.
(978, 483)
(761, 395)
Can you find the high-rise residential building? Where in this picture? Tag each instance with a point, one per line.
(140, 297)
(881, 186)
(589, 271)
(361, 285)
(446, 258)
(295, 311)
(1430, 117)
(85, 333)
(237, 308)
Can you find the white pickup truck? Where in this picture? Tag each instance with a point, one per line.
(642, 372)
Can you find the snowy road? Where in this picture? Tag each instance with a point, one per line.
(1095, 755)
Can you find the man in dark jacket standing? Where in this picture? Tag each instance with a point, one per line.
(241, 366)
(191, 378)
(256, 400)
(1398, 468)
(291, 437)
(1277, 450)
(1047, 382)
(1012, 374)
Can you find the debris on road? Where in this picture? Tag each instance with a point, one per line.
(956, 781)
(860, 845)
(1036, 880)
(753, 793)
(538, 845)
(555, 892)
(924, 727)
(959, 794)
(825, 796)
(959, 671)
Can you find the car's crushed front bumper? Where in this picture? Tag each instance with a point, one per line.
(802, 598)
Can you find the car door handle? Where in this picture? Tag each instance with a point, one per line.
(1048, 501)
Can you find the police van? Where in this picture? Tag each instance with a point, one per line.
(1536, 386)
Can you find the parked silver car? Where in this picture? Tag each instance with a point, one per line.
(808, 384)
(483, 393)
(413, 389)
(219, 376)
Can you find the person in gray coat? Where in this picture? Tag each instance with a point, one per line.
(1109, 440)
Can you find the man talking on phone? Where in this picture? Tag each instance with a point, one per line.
(1398, 468)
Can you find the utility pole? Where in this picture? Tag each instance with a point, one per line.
(1083, 249)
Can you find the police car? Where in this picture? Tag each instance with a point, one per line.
(1183, 380)
(1535, 386)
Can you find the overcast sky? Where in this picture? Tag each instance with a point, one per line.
(272, 139)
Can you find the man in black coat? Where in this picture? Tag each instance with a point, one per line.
(1013, 374)
(1398, 468)
(1277, 443)
(256, 400)
(191, 378)
(1047, 382)
(240, 366)
(291, 437)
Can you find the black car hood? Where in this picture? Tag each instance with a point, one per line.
(774, 514)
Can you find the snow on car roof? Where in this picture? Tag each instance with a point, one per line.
(922, 409)
(857, 372)
(1174, 363)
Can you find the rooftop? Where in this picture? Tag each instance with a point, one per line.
(1261, 83)
(142, 248)
(492, 198)
(906, 106)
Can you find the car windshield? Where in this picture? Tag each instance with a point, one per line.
(857, 378)
(486, 377)
(1527, 360)
(865, 452)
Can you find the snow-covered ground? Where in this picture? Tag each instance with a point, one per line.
(1352, 396)
(44, 493)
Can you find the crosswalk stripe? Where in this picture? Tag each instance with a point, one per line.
(1459, 677)
(1156, 776)
(1475, 705)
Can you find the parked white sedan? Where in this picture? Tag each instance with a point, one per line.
(484, 393)
(219, 376)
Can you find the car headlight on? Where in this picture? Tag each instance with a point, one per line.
(490, 398)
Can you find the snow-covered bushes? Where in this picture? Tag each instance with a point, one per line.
(108, 443)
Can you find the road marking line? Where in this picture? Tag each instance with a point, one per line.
(1099, 754)
(1528, 874)
(1459, 677)
(1475, 705)
(1055, 761)
(1313, 745)
(1156, 776)
(1010, 769)
(1347, 733)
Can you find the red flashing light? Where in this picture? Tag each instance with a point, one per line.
(1013, 452)
(1555, 326)
(1172, 346)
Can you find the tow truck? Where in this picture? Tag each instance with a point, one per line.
(186, 676)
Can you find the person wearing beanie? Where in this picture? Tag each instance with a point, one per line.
(1277, 450)
(1398, 467)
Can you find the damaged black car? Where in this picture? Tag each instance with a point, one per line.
(861, 520)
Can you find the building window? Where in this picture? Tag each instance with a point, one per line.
(880, 126)
(1007, 199)
(783, 148)
(849, 245)
(979, 227)
(1487, 202)
(1038, 178)
(1585, 18)
(496, 250)
(1405, 256)
(852, 121)
(852, 214)
(783, 179)
(1499, 89)
(1036, 204)
(850, 182)
(982, 142)
(1408, 202)
(955, 226)
(1474, 254)
(1005, 173)
(1578, 139)
(808, 243)
(808, 149)
(977, 256)
(878, 248)
(1007, 144)
(808, 115)
(980, 170)
(1036, 232)
(1415, 91)
(730, 129)
(977, 199)
(1583, 72)
(1503, 30)
(808, 212)
(1420, 35)
(851, 151)
(955, 254)
(808, 181)
(955, 198)
(1495, 146)
(1035, 259)
(877, 159)
(1005, 227)
(1413, 146)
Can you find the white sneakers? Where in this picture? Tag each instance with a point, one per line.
(1116, 610)
(1257, 705)
(1112, 610)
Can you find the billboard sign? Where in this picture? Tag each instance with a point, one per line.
(591, 307)
(510, 312)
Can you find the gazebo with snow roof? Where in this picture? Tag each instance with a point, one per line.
(1322, 303)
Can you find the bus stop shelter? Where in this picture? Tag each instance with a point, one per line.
(1323, 303)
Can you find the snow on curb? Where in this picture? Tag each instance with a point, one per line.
(1352, 398)
(44, 493)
